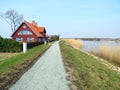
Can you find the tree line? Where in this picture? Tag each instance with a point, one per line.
(54, 37)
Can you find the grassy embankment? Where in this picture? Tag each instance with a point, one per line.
(89, 74)
(12, 68)
(109, 52)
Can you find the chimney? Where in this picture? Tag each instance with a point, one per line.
(34, 23)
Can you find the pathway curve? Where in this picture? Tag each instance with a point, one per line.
(47, 73)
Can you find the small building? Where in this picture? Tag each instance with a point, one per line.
(30, 32)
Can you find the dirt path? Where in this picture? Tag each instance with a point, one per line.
(47, 74)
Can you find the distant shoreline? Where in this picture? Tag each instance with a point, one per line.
(98, 39)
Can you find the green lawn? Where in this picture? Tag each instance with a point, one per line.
(90, 74)
(13, 67)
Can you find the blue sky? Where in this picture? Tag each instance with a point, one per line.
(69, 18)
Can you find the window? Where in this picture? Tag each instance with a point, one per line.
(29, 33)
(20, 33)
(19, 39)
(24, 26)
(30, 39)
(24, 32)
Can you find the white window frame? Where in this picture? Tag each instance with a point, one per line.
(24, 32)
(30, 39)
(19, 39)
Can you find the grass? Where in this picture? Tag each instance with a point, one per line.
(109, 52)
(4, 56)
(89, 73)
(21, 58)
(13, 67)
(74, 43)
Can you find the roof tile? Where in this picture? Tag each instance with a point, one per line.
(37, 30)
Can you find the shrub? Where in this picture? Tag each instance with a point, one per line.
(9, 45)
(32, 44)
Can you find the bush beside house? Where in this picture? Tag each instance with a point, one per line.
(8, 45)
(33, 44)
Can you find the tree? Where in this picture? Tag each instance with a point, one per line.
(13, 18)
(54, 37)
(0, 37)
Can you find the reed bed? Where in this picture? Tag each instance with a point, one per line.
(109, 52)
(78, 44)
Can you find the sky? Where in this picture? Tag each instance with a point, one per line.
(68, 18)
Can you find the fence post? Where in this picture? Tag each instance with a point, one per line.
(24, 47)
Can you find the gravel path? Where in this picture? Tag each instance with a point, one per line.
(47, 73)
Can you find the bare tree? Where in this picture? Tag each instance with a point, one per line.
(13, 18)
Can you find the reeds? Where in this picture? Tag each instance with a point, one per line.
(109, 52)
(74, 43)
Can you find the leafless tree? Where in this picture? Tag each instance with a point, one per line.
(13, 18)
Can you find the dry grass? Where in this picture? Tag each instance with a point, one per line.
(109, 52)
(4, 56)
(74, 43)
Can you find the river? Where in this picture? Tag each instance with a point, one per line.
(94, 45)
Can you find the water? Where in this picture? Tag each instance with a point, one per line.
(94, 45)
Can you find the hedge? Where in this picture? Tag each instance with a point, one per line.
(9, 45)
(33, 44)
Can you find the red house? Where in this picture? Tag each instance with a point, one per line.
(30, 32)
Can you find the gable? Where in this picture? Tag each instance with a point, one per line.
(23, 30)
(26, 26)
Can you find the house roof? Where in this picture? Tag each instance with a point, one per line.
(36, 29)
